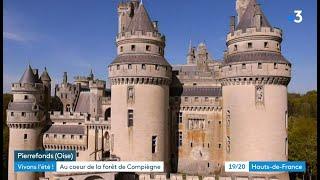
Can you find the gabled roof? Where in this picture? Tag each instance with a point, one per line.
(247, 19)
(28, 76)
(141, 21)
(45, 76)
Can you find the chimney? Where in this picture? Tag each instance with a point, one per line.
(257, 17)
(65, 78)
(232, 24)
(155, 25)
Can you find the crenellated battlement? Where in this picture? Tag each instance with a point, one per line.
(97, 84)
(27, 87)
(156, 36)
(252, 32)
(68, 115)
(81, 78)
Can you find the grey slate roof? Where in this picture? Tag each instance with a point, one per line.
(28, 76)
(141, 58)
(196, 91)
(83, 104)
(141, 21)
(45, 76)
(247, 19)
(66, 129)
(259, 56)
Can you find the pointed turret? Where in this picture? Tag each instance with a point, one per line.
(28, 76)
(191, 54)
(45, 76)
(248, 18)
(91, 76)
(141, 21)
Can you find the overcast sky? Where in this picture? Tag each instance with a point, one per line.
(77, 35)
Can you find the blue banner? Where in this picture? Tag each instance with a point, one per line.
(35, 166)
(41, 155)
(277, 166)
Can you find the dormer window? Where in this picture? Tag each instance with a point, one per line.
(133, 47)
(148, 48)
(249, 45)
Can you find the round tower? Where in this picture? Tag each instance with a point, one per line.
(254, 78)
(26, 120)
(140, 78)
(46, 81)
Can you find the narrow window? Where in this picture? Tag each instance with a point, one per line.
(77, 154)
(25, 97)
(196, 99)
(143, 66)
(118, 67)
(23, 114)
(208, 164)
(63, 136)
(250, 45)
(47, 135)
(190, 144)
(180, 117)
(286, 119)
(12, 113)
(121, 48)
(186, 99)
(156, 67)
(133, 47)
(72, 136)
(243, 66)
(55, 136)
(266, 45)
(206, 99)
(259, 65)
(275, 66)
(160, 50)
(208, 145)
(219, 146)
(129, 66)
(36, 113)
(286, 146)
(154, 144)
(148, 48)
(235, 47)
(80, 136)
(130, 117)
(25, 136)
(180, 138)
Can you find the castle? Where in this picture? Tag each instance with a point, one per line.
(193, 117)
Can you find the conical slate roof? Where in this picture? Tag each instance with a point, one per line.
(28, 76)
(141, 21)
(45, 76)
(247, 19)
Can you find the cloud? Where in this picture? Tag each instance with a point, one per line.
(13, 37)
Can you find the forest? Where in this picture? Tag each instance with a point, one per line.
(302, 129)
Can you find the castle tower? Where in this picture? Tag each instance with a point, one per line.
(254, 78)
(140, 78)
(25, 119)
(46, 81)
(191, 56)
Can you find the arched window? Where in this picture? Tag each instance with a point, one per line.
(107, 114)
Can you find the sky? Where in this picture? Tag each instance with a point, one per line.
(78, 35)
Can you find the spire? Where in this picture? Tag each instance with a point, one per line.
(247, 19)
(141, 21)
(45, 76)
(28, 76)
(91, 76)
